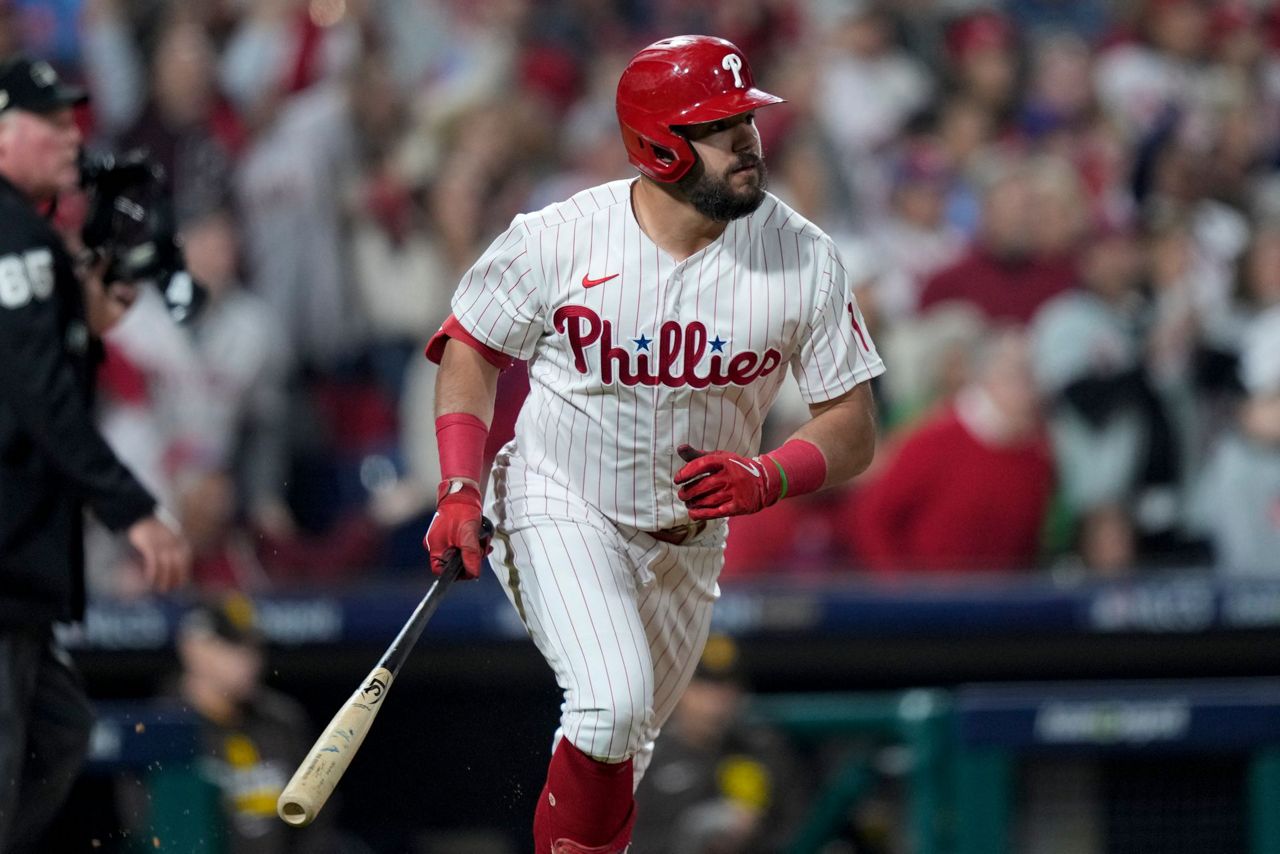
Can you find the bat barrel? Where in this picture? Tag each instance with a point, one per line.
(327, 761)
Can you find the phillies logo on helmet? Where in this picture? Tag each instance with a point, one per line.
(732, 62)
(674, 343)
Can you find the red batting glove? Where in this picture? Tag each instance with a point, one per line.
(456, 527)
(715, 484)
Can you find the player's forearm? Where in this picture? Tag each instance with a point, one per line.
(844, 430)
(465, 390)
(466, 383)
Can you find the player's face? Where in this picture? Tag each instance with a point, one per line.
(729, 179)
(40, 151)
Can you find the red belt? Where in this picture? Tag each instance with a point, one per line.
(680, 533)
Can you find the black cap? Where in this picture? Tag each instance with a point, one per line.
(232, 618)
(32, 85)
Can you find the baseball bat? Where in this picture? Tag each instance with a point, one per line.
(315, 779)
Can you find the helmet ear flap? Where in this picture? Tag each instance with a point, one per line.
(667, 160)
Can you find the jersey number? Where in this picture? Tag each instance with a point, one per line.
(26, 276)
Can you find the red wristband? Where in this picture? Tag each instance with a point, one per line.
(460, 438)
(802, 466)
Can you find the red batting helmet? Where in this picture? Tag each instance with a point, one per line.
(686, 80)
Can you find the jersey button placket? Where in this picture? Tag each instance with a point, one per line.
(677, 409)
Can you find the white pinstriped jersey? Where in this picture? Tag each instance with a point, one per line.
(632, 353)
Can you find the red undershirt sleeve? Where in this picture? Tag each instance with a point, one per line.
(451, 328)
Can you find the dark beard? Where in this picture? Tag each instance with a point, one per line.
(715, 199)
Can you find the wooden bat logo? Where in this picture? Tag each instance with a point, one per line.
(373, 692)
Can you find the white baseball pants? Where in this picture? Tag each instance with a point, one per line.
(619, 616)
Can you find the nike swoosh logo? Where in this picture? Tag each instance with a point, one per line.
(588, 282)
(751, 467)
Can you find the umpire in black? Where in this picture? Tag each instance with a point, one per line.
(53, 461)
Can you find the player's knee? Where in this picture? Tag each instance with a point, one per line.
(611, 732)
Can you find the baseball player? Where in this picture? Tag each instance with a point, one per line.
(658, 316)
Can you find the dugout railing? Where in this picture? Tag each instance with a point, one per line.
(965, 747)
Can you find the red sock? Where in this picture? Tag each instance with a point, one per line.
(584, 800)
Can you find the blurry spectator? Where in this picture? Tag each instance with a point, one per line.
(1239, 498)
(964, 129)
(251, 738)
(1246, 67)
(932, 358)
(868, 87)
(982, 59)
(280, 48)
(1002, 275)
(478, 64)
(423, 42)
(399, 269)
(1059, 219)
(1105, 541)
(969, 487)
(1111, 434)
(1218, 335)
(113, 60)
(1141, 83)
(1059, 97)
(1256, 289)
(715, 784)
(1238, 150)
(173, 109)
(239, 423)
(185, 124)
(232, 555)
(914, 240)
(292, 224)
(485, 175)
(807, 169)
(1172, 183)
(489, 158)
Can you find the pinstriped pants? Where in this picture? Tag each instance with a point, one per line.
(620, 617)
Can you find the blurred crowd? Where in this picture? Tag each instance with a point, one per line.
(1063, 218)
